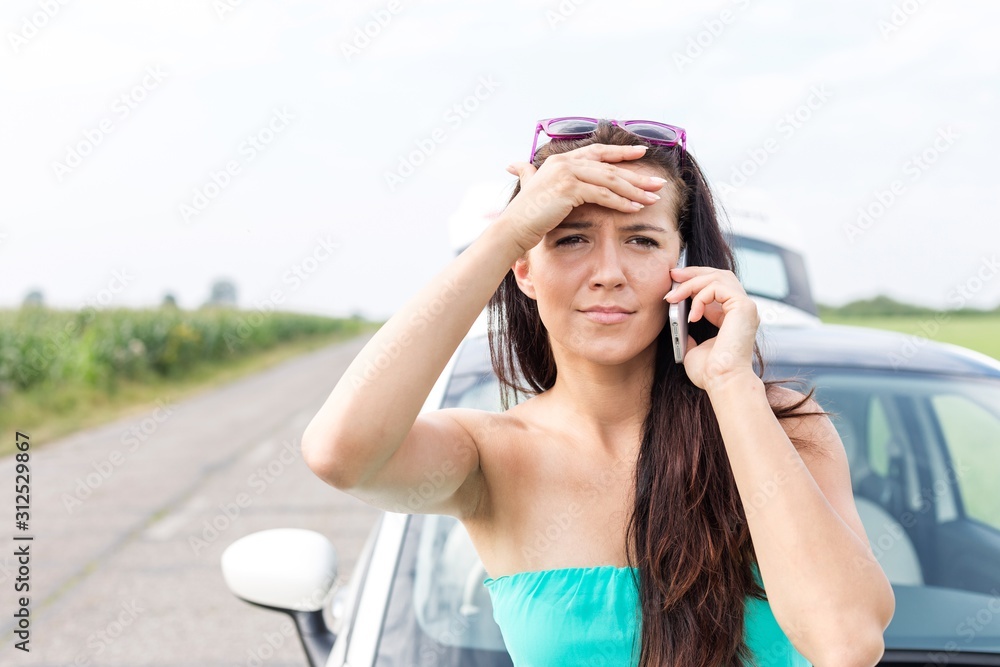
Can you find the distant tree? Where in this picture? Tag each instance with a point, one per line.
(223, 294)
(169, 301)
(34, 298)
(884, 306)
(878, 306)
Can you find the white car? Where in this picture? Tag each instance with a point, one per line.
(922, 434)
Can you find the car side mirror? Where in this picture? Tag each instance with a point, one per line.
(290, 570)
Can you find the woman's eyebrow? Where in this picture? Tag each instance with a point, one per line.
(637, 227)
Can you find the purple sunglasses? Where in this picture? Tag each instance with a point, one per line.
(575, 127)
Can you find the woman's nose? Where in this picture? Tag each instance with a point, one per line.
(608, 270)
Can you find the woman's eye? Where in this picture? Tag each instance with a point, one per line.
(571, 240)
(648, 242)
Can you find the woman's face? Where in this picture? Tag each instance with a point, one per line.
(593, 259)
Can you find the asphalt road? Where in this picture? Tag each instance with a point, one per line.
(126, 518)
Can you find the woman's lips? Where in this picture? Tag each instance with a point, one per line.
(606, 318)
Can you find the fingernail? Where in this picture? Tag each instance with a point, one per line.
(642, 146)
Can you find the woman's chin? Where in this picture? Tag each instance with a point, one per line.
(610, 352)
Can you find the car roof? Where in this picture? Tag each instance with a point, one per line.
(865, 347)
(846, 346)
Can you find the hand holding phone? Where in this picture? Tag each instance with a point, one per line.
(677, 315)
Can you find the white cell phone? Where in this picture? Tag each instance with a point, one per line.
(678, 314)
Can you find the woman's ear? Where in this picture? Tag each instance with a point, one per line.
(522, 273)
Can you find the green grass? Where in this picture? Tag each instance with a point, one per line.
(977, 332)
(63, 371)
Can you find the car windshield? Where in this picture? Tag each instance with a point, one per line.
(924, 453)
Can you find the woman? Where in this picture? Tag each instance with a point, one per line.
(636, 470)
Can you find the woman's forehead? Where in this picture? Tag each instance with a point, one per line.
(661, 214)
(630, 223)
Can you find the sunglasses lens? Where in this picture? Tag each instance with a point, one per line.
(575, 127)
(571, 126)
(650, 131)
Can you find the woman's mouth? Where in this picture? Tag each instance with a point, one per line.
(604, 317)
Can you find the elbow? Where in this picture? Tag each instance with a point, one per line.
(321, 458)
(889, 610)
(863, 642)
(857, 651)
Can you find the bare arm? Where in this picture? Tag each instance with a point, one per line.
(825, 587)
(376, 404)
(369, 438)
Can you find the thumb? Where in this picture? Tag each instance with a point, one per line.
(522, 170)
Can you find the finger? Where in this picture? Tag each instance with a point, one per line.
(710, 294)
(610, 152)
(714, 292)
(598, 185)
(522, 170)
(686, 286)
(694, 270)
(650, 183)
(693, 278)
(644, 183)
(712, 311)
(624, 182)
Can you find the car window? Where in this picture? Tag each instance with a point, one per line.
(773, 272)
(764, 273)
(971, 432)
(924, 454)
(439, 612)
(884, 466)
(878, 436)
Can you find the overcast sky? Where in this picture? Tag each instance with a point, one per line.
(154, 147)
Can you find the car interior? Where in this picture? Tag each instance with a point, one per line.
(912, 489)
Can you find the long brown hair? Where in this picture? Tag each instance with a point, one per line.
(688, 526)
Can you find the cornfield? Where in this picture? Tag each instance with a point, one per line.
(97, 348)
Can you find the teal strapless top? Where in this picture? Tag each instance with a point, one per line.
(578, 616)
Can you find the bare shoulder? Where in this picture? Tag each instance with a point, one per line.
(488, 429)
(491, 432)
